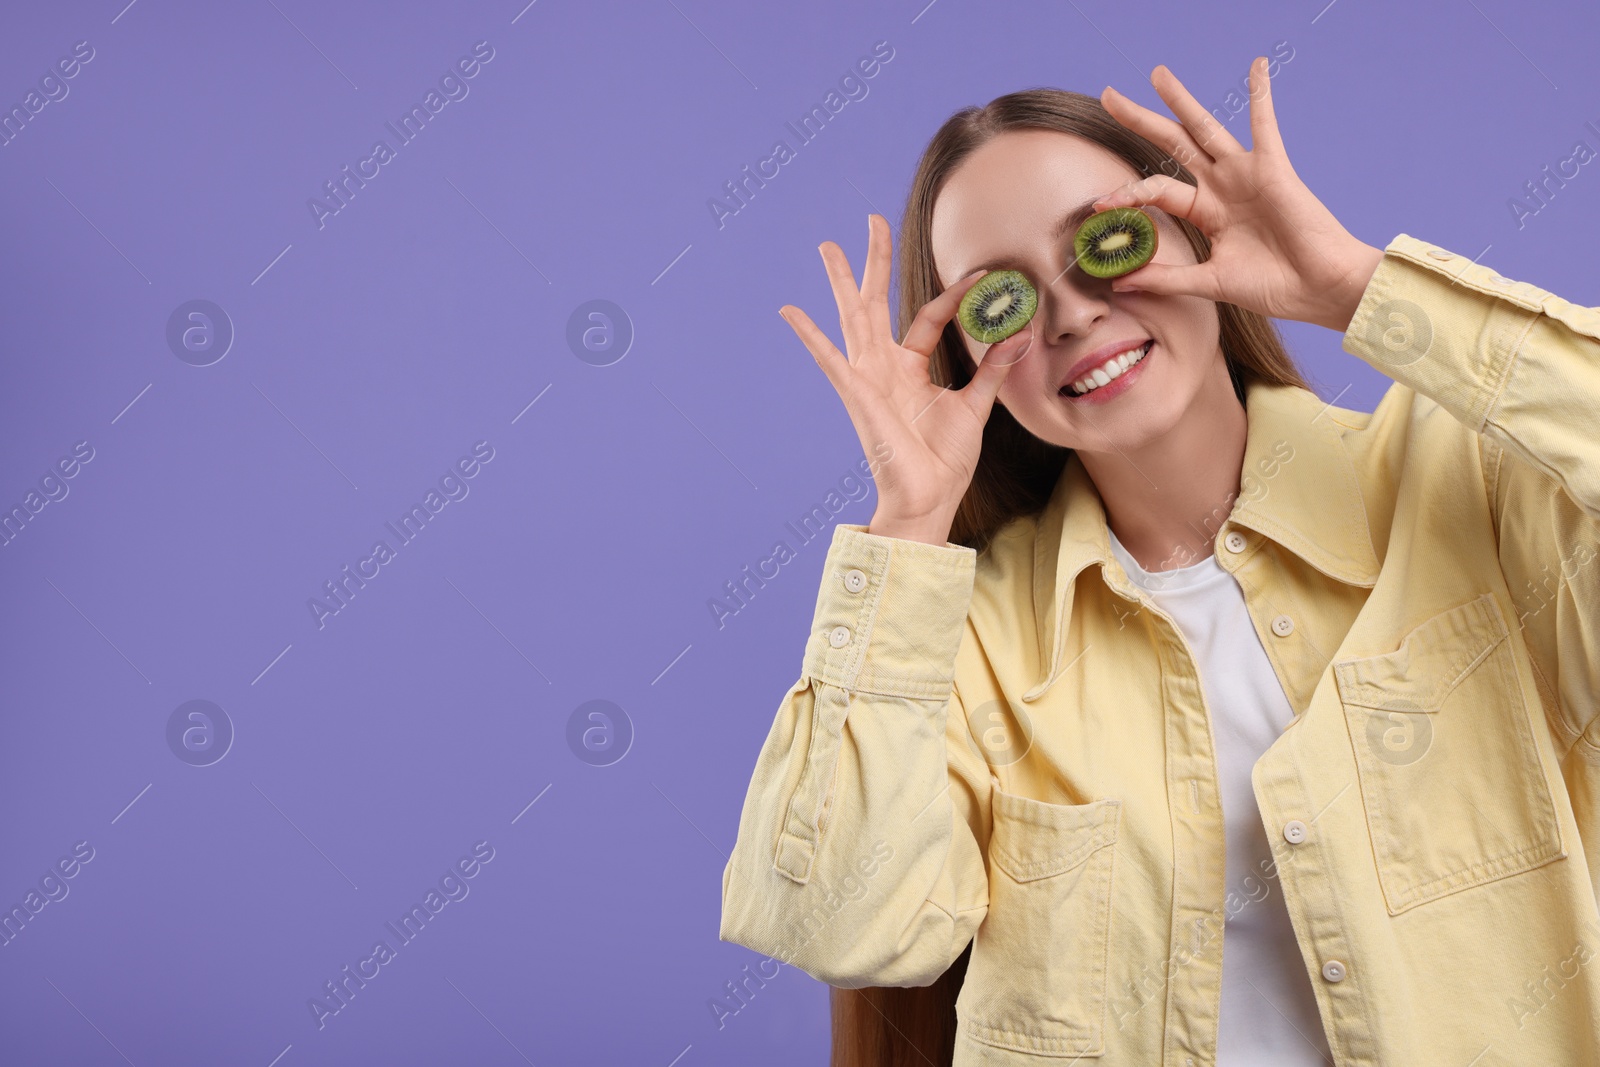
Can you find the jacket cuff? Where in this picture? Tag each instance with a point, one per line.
(1444, 326)
(890, 614)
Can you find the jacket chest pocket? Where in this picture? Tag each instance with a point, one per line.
(1450, 777)
(1036, 980)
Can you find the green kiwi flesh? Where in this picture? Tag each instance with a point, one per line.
(998, 305)
(1115, 242)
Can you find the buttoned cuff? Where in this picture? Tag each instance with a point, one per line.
(890, 614)
(1443, 325)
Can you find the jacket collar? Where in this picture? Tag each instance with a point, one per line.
(1311, 505)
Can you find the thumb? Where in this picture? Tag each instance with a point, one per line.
(993, 369)
(1169, 279)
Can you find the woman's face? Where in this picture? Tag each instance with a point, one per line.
(1009, 205)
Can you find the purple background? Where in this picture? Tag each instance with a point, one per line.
(430, 313)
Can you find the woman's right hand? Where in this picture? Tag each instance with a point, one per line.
(934, 434)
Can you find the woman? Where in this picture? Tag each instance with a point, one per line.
(1114, 678)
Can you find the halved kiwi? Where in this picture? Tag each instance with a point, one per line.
(1114, 242)
(997, 306)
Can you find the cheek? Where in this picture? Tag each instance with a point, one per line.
(1192, 353)
(1189, 323)
(1206, 326)
(1026, 387)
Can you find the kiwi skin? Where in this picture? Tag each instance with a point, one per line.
(1115, 222)
(986, 329)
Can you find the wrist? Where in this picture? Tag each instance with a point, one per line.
(1357, 269)
(932, 530)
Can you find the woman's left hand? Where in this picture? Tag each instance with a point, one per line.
(1275, 249)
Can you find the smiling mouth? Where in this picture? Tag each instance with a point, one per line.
(1107, 372)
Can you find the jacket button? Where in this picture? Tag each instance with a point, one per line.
(1436, 254)
(1283, 626)
(1294, 831)
(1235, 541)
(1333, 971)
(854, 580)
(839, 636)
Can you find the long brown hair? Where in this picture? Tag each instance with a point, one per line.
(1015, 475)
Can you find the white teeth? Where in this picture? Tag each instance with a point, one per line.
(1113, 368)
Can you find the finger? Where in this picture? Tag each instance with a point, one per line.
(993, 367)
(935, 315)
(1010, 350)
(1264, 133)
(852, 312)
(1212, 137)
(1171, 279)
(1176, 198)
(1158, 130)
(828, 357)
(875, 279)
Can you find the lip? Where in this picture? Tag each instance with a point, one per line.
(1099, 356)
(1114, 388)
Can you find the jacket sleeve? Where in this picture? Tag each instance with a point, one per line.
(860, 855)
(1521, 366)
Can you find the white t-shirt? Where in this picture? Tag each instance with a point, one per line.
(1269, 1015)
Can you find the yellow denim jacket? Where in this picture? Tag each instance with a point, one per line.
(1012, 748)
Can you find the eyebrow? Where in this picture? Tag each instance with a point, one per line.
(1073, 219)
(1065, 224)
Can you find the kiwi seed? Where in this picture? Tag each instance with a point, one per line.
(997, 306)
(1114, 242)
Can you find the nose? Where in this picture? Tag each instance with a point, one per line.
(1071, 303)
